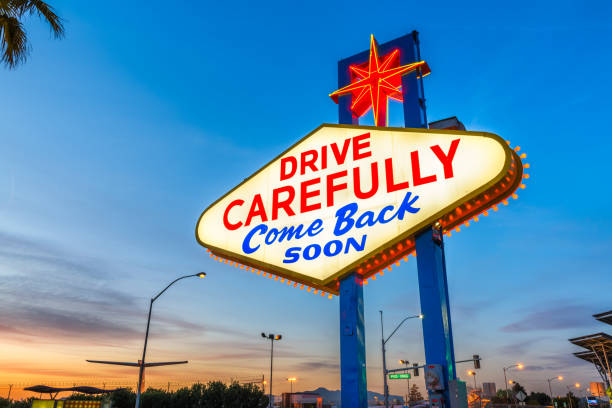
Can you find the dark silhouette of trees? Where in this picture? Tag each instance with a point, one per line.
(215, 394)
(415, 394)
(538, 398)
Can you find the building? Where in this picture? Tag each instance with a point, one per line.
(302, 400)
(488, 389)
(598, 389)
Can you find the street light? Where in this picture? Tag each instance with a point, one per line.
(384, 356)
(291, 381)
(560, 378)
(473, 374)
(272, 338)
(144, 349)
(520, 366)
(406, 362)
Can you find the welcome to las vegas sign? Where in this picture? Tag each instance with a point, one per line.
(351, 198)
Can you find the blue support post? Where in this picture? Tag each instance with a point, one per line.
(433, 290)
(353, 380)
(413, 92)
(352, 344)
(431, 264)
(433, 287)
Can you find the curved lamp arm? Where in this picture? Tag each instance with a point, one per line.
(199, 275)
(420, 316)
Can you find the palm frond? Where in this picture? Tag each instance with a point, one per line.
(8, 8)
(13, 41)
(43, 10)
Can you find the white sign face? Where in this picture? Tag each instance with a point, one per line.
(343, 193)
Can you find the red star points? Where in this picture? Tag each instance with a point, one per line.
(374, 82)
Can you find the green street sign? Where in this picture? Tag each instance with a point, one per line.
(403, 376)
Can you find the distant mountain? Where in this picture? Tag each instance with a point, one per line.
(333, 396)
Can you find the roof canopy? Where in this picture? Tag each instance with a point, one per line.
(605, 317)
(600, 341)
(45, 389)
(599, 346)
(588, 356)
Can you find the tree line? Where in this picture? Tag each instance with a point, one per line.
(534, 398)
(214, 394)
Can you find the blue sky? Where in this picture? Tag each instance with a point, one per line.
(116, 138)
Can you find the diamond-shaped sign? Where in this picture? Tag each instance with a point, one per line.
(350, 198)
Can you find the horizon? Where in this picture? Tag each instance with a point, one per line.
(116, 138)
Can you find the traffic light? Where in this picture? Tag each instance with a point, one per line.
(415, 369)
(476, 361)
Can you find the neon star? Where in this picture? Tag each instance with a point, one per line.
(374, 82)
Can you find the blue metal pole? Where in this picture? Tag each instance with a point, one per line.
(432, 270)
(431, 264)
(352, 344)
(412, 88)
(433, 290)
(413, 91)
(354, 388)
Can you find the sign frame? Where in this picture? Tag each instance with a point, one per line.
(399, 246)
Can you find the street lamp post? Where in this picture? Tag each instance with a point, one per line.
(473, 374)
(520, 367)
(406, 362)
(272, 338)
(291, 381)
(384, 352)
(144, 349)
(560, 378)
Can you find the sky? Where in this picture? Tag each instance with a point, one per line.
(116, 138)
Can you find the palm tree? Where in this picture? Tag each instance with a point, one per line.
(13, 39)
